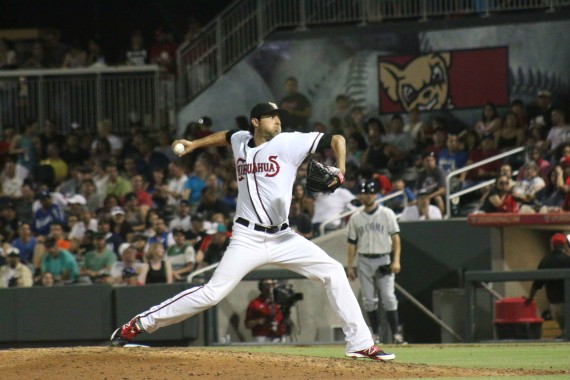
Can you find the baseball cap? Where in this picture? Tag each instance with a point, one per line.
(13, 252)
(216, 227)
(43, 194)
(368, 187)
(77, 199)
(50, 242)
(544, 93)
(558, 240)
(205, 120)
(428, 154)
(129, 272)
(263, 109)
(117, 210)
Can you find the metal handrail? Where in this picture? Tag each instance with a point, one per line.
(191, 276)
(351, 212)
(449, 196)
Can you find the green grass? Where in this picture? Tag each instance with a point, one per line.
(539, 356)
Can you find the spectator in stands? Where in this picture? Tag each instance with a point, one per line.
(143, 197)
(407, 198)
(46, 214)
(113, 241)
(420, 210)
(558, 134)
(510, 134)
(134, 214)
(85, 223)
(59, 262)
(507, 170)
(163, 144)
(230, 194)
(95, 55)
(47, 280)
(104, 130)
(487, 171)
(98, 263)
(215, 250)
(355, 147)
(57, 231)
(181, 255)
(469, 141)
(163, 51)
(122, 271)
(53, 159)
(439, 139)
(119, 225)
(378, 154)
(159, 270)
(517, 106)
(357, 122)
(117, 185)
(10, 182)
(75, 57)
(415, 124)
(23, 146)
(102, 151)
(541, 117)
(196, 182)
(15, 274)
(182, 219)
(197, 231)
(158, 188)
(72, 152)
(24, 206)
(452, 158)
(150, 160)
(8, 222)
(136, 55)
(160, 232)
(499, 198)
(341, 109)
(93, 200)
(298, 105)
(551, 197)
(431, 181)
(525, 191)
(25, 243)
(36, 58)
(55, 50)
(534, 154)
(306, 202)
(211, 204)
(490, 120)
(557, 258)
(299, 221)
(8, 56)
(49, 136)
(402, 142)
(330, 205)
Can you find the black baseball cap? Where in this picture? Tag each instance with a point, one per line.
(368, 187)
(263, 109)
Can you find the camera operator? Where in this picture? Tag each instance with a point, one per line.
(264, 316)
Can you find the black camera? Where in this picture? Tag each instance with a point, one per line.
(286, 297)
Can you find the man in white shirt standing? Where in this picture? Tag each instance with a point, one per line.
(422, 210)
(176, 182)
(330, 205)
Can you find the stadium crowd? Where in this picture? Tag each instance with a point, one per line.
(104, 208)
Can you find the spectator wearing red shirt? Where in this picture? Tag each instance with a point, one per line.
(487, 171)
(163, 51)
(264, 316)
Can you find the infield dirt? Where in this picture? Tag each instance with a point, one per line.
(183, 363)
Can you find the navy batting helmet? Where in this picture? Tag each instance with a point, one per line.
(368, 187)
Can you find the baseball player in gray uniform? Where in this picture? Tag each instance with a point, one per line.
(266, 163)
(374, 235)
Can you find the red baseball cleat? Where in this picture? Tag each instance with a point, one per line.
(126, 333)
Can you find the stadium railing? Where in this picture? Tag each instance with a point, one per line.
(78, 98)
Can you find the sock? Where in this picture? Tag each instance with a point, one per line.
(392, 317)
(373, 318)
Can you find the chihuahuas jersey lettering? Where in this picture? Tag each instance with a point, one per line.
(264, 171)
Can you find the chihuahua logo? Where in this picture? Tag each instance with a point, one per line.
(423, 83)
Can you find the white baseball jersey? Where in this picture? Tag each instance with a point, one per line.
(372, 232)
(263, 172)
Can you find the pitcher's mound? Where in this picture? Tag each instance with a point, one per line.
(181, 363)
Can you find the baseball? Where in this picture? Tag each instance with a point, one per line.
(179, 148)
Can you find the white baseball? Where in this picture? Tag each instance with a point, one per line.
(179, 148)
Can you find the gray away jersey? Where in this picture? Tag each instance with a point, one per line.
(372, 233)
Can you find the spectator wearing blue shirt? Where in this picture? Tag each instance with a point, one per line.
(196, 182)
(25, 242)
(46, 214)
(452, 158)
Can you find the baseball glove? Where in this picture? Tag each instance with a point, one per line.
(321, 178)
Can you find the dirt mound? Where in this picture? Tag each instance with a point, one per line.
(181, 363)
